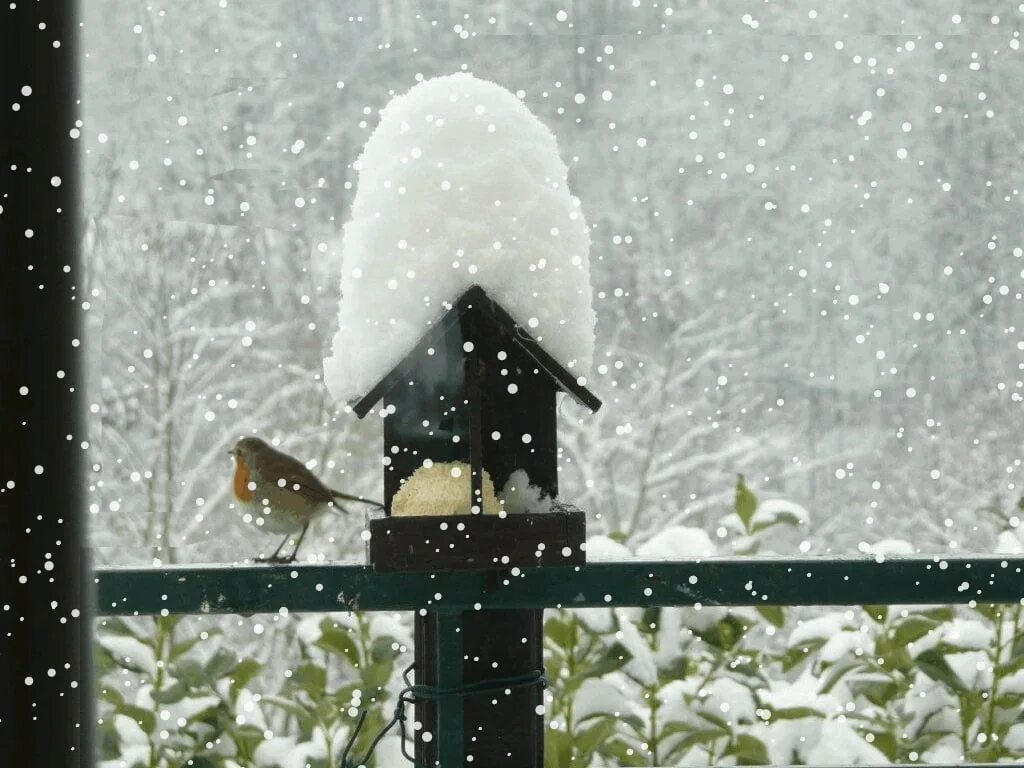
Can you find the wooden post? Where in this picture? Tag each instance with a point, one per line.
(45, 589)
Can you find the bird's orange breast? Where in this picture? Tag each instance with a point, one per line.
(241, 481)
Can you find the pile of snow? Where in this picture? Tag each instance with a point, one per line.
(601, 549)
(519, 495)
(677, 542)
(459, 184)
(890, 548)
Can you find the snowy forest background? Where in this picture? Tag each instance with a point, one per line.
(807, 265)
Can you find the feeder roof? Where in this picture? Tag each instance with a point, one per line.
(475, 299)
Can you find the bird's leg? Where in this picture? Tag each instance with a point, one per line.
(276, 558)
(298, 544)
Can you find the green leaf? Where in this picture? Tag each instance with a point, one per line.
(183, 647)
(1017, 649)
(943, 613)
(109, 741)
(884, 742)
(220, 665)
(144, 717)
(1010, 667)
(971, 703)
(288, 706)
(559, 632)
(795, 713)
(557, 749)
(836, 674)
(719, 722)
(724, 634)
(247, 738)
(376, 676)
(587, 741)
(338, 640)
(748, 750)
(934, 664)
(782, 517)
(650, 620)
(171, 695)
(190, 672)
(746, 503)
(894, 658)
(678, 668)
(166, 624)
(912, 628)
(876, 690)
(311, 678)
(205, 762)
(623, 754)
(774, 613)
(246, 670)
(615, 658)
(700, 737)
(382, 652)
(928, 740)
(111, 625)
(798, 654)
(878, 613)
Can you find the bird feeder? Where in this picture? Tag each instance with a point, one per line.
(477, 389)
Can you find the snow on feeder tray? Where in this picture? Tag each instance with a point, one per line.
(476, 398)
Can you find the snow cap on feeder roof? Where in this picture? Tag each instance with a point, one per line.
(459, 185)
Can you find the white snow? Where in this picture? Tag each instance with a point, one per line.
(770, 511)
(729, 699)
(1013, 684)
(1010, 543)
(459, 184)
(598, 696)
(131, 651)
(129, 731)
(818, 627)
(274, 752)
(891, 548)
(677, 542)
(845, 643)
(802, 692)
(598, 620)
(190, 706)
(247, 710)
(601, 549)
(966, 634)
(973, 668)
(519, 495)
(841, 745)
(642, 666)
(1014, 739)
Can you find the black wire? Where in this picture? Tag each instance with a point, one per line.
(352, 737)
(413, 693)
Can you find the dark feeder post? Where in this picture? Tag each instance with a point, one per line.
(478, 389)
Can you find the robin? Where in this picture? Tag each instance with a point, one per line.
(286, 496)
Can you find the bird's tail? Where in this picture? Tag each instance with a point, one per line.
(350, 497)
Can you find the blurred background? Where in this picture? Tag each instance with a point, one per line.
(807, 256)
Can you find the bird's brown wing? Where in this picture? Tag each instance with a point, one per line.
(276, 466)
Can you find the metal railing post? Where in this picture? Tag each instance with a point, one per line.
(450, 722)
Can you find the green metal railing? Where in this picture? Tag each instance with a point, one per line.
(720, 582)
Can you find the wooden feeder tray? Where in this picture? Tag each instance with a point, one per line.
(478, 542)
